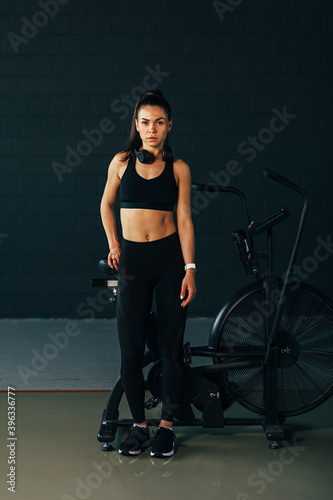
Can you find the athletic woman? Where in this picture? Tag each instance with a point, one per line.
(155, 256)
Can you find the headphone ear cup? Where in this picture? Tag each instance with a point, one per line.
(167, 153)
(143, 156)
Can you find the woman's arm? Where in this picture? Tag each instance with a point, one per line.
(107, 211)
(185, 228)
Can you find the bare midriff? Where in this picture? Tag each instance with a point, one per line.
(141, 225)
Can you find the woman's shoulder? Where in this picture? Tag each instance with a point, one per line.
(118, 164)
(181, 169)
(121, 159)
(180, 165)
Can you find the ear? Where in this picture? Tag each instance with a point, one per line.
(169, 125)
(137, 125)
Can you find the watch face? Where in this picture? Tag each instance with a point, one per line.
(190, 266)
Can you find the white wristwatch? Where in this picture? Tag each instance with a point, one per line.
(190, 266)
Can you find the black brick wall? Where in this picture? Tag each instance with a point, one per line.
(224, 74)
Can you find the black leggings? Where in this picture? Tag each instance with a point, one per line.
(145, 267)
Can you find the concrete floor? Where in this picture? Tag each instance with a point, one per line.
(58, 456)
(68, 354)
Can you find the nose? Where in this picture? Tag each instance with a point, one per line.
(152, 127)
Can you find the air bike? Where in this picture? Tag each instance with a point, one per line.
(270, 345)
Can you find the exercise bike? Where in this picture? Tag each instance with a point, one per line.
(270, 345)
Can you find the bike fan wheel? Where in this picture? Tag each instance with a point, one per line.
(304, 350)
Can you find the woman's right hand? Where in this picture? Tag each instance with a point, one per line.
(114, 254)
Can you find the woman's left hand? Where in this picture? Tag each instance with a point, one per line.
(189, 288)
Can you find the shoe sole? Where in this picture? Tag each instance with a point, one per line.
(137, 452)
(159, 454)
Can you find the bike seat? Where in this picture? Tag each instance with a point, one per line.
(104, 266)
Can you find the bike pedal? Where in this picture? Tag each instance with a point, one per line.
(151, 403)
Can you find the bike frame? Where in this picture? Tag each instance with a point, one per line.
(213, 411)
(271, 422)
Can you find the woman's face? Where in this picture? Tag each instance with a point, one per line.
(153, 126)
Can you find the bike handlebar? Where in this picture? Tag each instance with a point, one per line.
(256, 228)
(284, 181)
(213, 188)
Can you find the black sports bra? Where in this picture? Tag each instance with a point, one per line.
(159, 193)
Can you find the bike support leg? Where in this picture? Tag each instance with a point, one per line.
(273, 430)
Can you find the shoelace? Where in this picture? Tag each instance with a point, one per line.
(161, 435)
(133, 431)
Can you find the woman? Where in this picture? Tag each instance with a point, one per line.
(154, 256)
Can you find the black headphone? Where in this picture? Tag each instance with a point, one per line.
(145, 156)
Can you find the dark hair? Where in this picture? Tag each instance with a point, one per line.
(147, 98)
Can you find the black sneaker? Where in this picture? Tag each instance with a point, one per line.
(137, 439)
(164, 443)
